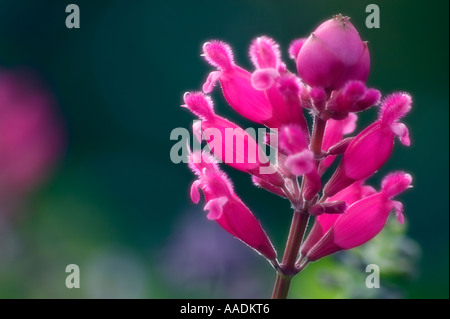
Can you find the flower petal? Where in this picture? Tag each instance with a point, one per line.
(195, 194)
(301, 163)
(215, 207)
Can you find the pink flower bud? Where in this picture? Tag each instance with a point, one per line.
(371, 97)
(333, 55)
(333, 207)
(353, 97)
(225, 207)
(318, 98)
(340, 147)
(352, 92)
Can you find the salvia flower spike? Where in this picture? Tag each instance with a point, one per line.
(333, 65)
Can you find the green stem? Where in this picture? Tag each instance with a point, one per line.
(281, 287)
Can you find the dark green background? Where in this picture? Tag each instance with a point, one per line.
(119, 80)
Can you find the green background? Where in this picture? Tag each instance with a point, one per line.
(119, 80)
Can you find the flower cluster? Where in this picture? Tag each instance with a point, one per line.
(333, 65)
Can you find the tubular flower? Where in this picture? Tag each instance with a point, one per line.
(370, 149)
(362, 221)
(236, 83)
(229, 142)
(281, 87)
(225, 207)
(349, 195)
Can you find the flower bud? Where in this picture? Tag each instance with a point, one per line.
(333, 55)
(333, 207)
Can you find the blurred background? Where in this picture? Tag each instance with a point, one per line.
(85, 172)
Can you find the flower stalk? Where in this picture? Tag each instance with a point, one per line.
(288, 269)
(333, 65)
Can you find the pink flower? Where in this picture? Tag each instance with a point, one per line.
(333, 55)
(282, 88)
(370, 149)
(236, 83)
(353, 97)
(269, 96)
(362, 221)
(230, 143)
(31, 135)
(225, 206)
(323, 223)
